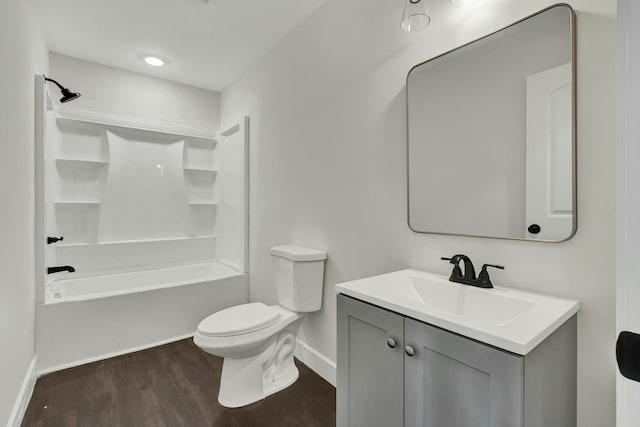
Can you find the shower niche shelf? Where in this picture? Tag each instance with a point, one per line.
(200, 155)
(80, 163)
(201, 187)
(201, 170)
(134, 242)
(79, 141)
(77, 220)
(77, 202)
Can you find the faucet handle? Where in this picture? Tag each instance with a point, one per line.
(51, 240)
(483, 277)
(457, 271)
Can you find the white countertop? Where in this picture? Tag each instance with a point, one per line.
(509, 319)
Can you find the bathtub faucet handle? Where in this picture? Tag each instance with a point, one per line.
(68, 268)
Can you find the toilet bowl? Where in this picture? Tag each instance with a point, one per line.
(257, 341)
(258, 355)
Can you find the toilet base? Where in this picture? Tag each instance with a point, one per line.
(285, 380)
(248, 380)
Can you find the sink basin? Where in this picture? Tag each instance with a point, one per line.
(509, 319)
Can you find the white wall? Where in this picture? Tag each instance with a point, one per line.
(24, 55)
(328, 168)
(111, 90)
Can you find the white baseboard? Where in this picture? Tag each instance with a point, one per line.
(26, 390)
(316, 361)
(110, 355)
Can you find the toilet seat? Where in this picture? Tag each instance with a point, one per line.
(245, 344)
(239, 320)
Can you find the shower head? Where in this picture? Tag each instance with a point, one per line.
(67, 95)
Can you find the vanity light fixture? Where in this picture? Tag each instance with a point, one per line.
(153, 61)
(415, 16)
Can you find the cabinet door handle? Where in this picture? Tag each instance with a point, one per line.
(409, 351)
(391, 343)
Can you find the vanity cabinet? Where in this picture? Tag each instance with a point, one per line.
(370, 365)
(397, 371)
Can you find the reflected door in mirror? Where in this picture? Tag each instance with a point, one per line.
(549, 155)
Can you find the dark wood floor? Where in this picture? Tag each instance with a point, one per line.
(173, 385)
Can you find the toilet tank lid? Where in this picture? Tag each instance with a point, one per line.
(298, 253)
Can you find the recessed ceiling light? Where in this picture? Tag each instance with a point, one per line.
(152, 60)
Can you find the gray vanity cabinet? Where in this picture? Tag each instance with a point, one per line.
(454, 381)
(429, 377)
(370, 366)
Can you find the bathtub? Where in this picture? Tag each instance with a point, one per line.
(93, 318)
(62, 290)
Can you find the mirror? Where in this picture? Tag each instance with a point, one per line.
(491, 134)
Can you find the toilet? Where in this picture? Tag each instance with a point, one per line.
(257, 341)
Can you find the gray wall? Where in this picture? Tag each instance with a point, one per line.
(24, 55)
(328, 167)
(111, 90)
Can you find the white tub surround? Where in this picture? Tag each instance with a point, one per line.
(130, 194)
(126, 194)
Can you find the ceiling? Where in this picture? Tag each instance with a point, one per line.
(205, 43)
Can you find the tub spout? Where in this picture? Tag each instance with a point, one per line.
(51, 270)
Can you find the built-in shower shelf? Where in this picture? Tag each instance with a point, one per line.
(74, 245)
(93, 118)
(81, 163)
(129, 242)
(77, 202)
(201, 170)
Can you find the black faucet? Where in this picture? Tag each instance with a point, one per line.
(51, 270)
(469, 278)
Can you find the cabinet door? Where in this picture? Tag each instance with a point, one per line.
(370, 370)
(452, 381)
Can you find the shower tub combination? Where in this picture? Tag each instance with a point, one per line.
(154, 220)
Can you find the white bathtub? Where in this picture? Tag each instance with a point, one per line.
(92, 318)
(62, 290)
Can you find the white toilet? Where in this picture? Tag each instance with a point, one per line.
(256, 340)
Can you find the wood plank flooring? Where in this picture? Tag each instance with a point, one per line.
(169, 386)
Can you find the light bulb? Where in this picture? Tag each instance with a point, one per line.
(153, 61)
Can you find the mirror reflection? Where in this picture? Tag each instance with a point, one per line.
(491, 140)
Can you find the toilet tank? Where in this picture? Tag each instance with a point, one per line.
(299, 276)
